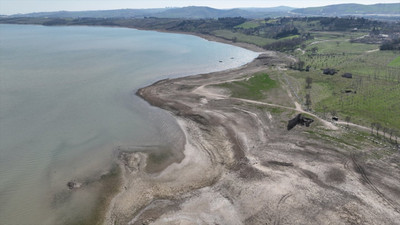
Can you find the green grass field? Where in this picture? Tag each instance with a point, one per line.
(376, 80)
(249, 24)
(253, 88)
(256, 40)
(395, 62)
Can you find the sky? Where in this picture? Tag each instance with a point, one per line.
(8, 7)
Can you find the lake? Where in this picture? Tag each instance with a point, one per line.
(67, 101)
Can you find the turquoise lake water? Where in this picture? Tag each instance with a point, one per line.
(67, 100)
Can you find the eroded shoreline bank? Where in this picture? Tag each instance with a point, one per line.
(242, 166)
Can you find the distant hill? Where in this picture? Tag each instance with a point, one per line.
(207, 12)
(117, 13)
(391, 11)
(272, 9)
(350, 9)
(193, 12)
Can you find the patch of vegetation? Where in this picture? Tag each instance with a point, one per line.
(240, 37)
(253, 88)
(271, 109)
(391, 45)
(335, 139)
(290, 37)
(395, 62)
(249, 25)
(276, 110)
(284, 44)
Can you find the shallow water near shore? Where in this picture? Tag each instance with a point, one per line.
(67, 101)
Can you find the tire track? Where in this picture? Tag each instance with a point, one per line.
(280, 202)
(365, 178)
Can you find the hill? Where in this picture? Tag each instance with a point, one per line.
(381, 11)
(207, 12)
(192, 12)
(117, 13)
(350, 9)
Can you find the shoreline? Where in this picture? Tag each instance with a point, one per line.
(225, 163)
(139, 160)
(213, 38)
(179, 111)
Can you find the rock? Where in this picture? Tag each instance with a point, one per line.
(299, 119)
(73, 185)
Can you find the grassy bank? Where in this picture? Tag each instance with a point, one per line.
(254, 87)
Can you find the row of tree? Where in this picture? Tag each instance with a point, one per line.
(385, 131)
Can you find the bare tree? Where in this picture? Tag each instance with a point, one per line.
(308, 82)
(391, 133)
(314, 50)
(324, 108)
(300, 65)
(377, 127)
(308, 101)
(347, 119)
(372, 128)
(385, 130)
(333, 112)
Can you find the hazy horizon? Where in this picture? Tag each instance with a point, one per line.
(9, 7)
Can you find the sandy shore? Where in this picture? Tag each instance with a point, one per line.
(241, 165)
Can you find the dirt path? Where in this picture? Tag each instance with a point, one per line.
(202, 90)
(374, 50)
(364, 128)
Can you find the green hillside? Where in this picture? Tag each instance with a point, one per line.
(351, 9)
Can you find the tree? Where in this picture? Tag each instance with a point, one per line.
(308, 101)
(314, 50)
(391, 131)
(377, 127)
(372, 128)
(333, 112)
(385, 130)
(300, 65)
(347, 119)
(308, 82)
(324, 108)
